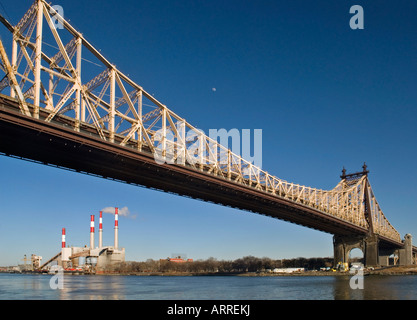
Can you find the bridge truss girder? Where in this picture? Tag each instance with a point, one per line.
(53, 71)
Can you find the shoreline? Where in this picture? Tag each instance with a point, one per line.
(391, 270)
(384, 271)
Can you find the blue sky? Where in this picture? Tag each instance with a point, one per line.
(325, 96)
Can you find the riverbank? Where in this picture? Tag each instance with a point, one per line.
(392, 270)
(228, 274)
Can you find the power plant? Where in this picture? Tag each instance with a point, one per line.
(90, 259)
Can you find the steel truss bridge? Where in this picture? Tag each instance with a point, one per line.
(62, 103)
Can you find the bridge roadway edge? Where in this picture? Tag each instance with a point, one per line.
(52, 144)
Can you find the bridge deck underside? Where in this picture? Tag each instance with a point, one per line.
(54, 144)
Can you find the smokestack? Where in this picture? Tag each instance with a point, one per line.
(63, 238)
(116, 228)
(92, 232)
(100, 231)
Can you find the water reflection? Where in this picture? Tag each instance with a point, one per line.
(377, 288)
(343, 291)
(82, 287)
(93, 288)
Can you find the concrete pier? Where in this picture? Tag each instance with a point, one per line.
(374, 255)
(406, 254)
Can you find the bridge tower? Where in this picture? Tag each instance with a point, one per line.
(374, 254)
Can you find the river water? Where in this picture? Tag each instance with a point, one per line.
(45, 287)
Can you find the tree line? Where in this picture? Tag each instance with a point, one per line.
(211, 265)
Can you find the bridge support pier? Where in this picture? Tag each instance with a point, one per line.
(384, 255)
(406, 254)
(373, 254)
(342, 246)
(369, 245)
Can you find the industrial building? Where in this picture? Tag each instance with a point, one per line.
(29, 265)
(93, 259)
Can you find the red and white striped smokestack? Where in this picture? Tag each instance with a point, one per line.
(100, 231)
(63, 238)
(116, 228)
(92, 232)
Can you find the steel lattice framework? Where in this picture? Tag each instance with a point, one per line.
(55, 79)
